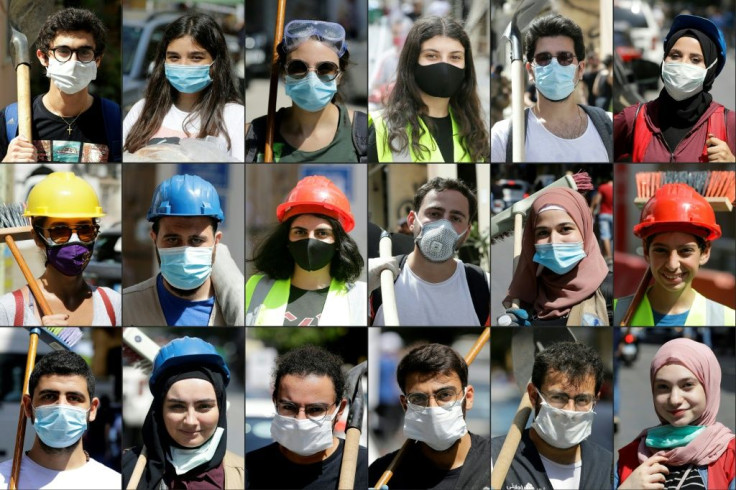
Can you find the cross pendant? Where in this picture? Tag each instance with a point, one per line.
(69, 130)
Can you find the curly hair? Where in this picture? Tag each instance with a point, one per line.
(68, 20)
(575, 360)
(272, 257)
(306, 360)
(405, 105)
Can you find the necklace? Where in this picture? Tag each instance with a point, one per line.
(563, 131)
(69, 124)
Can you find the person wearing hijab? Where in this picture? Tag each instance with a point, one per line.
(185, 431)
(689, 449)
(683, 124)
(561, 270)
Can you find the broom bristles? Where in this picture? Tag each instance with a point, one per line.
(11, 215)
(59, 338)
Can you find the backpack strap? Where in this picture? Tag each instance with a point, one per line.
(18, 318)
(255, 139)
(11, 121)
(642, 134)
(510, 139)
(603, 124)
(108, 306)
(113, 120)
(479, 292)
(360, 135)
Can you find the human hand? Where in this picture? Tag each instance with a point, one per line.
(648, 475)
(514, 317)
(378, 265)
(57, 319)
(21, 150)
(718, 150)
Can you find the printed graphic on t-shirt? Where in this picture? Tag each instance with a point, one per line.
(71, 151)
(304, 322)
(173, 140)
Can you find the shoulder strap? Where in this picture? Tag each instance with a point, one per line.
(642, 134)
(11, 121)
(18, 318)
(360, 135)
(112, 118)
(108, 306)
(479, 292)
(604, 125)
(510, 139)
(255, 139)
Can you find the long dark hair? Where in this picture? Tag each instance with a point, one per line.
(160, 94)
(273, 258)
(405, 104)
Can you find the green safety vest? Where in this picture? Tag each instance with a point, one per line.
(703, 312)
(266, 300)
(386, 154)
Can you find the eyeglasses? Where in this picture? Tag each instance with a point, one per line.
(564, 58)
(560, 400)
(62, 234)
(445, 398)
(326, 70)
(316, 412)
(85, 54)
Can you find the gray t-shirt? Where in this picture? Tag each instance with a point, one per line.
(100, 317)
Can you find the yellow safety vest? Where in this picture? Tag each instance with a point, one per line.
(386, 154)
(703, 312)
(266, 300)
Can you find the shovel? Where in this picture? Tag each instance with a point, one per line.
(354, 425)
(26, 18)
(278, 35)
(526, 343)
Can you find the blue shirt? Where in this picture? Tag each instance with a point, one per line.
(182, 312)
(677, 320)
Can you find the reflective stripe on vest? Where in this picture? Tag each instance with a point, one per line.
(386, 154)
(702, 312)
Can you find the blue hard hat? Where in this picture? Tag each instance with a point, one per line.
(185, 195)
(707, 27)
(187, 351)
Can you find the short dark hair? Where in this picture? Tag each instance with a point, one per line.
(440, 184)
(306, 360)
(550, 26)
(272, 257)
(702, 242)
(155, 225)
(573, 359)
(65, 363)
(69, 20)
(429, 359)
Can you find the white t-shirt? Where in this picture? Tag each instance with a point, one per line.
(543, 146)
(173, 126)
(422, 303)
(100, 318)
(92, 475)
(562, 476)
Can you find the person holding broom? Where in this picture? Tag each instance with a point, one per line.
(65, 214)
(677, 228)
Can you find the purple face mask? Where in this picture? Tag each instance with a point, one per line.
(69, 259)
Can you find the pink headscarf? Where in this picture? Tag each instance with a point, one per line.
(711, 442)
(554, 295)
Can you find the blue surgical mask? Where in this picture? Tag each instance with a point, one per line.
(186, 268)
(560, 258)
(669, 436)
(310, 93)
(556, 82)
(59, 426)
(188, 79)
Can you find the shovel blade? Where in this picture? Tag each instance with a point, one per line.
(19, 49)
(27, 16)
(527, 342)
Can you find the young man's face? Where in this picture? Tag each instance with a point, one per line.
(564, 393)
(438, 389)
(555, 45)
(58, 389)
(449, 204)
(73, 40)
(185, 231)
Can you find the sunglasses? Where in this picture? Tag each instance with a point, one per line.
(62, 234)
(326, 70)
(564, 58)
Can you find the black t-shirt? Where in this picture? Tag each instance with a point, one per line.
(305, 307)
(87, 141)
(269, 468)
(441, 130)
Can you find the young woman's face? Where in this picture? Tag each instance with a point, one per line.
(190, 412)
(679, 398)
(687, 50)
(675, 258)
(313, 53)
(311, 226)
(186, 51)
(61, 230)
(442, 49)
(556, 226)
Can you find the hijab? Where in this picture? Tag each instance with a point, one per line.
(156, 438)
(553, 295)
(710, 442)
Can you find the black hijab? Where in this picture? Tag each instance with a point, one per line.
(157, 439)
(676, 118)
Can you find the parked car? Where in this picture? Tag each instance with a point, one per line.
(514, 190)
(643, 27)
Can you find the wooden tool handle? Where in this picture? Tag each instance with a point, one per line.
(511, 443)
(349, 459)
(23, 77)
(278, 34)
(43, 305)
(636, 300)
(20, 433)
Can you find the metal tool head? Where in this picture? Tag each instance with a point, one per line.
(527, 342)
(524, 13)
(354, 390)
(26, 19)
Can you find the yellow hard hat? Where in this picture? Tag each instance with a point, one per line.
(63, 195)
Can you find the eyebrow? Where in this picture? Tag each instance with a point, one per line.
(57, 392)
(176, 400)
(67, 46)
(425, 50)
(188, 53)
(689, 378)
(440, 208)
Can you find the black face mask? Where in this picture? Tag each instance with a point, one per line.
(311, 254)
(439, 79)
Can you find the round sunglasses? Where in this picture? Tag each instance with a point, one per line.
(564, 58)
(325, 70)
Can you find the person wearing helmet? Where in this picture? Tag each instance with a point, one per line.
(677, 228)
(683, 124)
(185, 431)
(308, 265)
(64, 213)
(313, 59)
(199, 283)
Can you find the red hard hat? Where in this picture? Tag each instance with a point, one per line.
(677, 207)
(317, 195)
